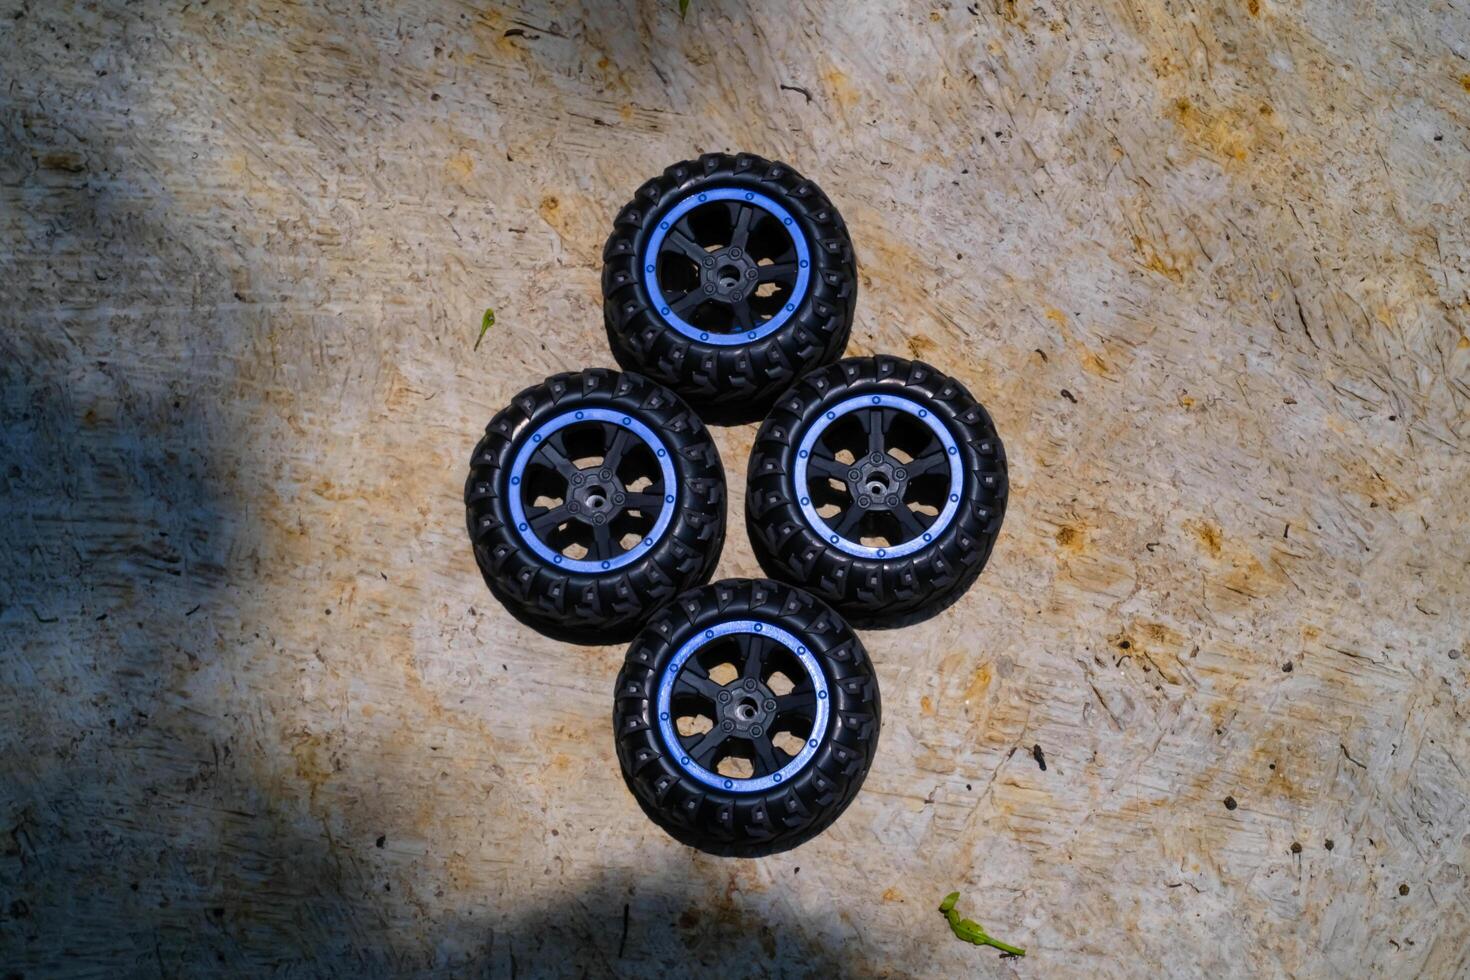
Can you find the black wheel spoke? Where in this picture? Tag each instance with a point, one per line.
(616, 439)
(554, 453)
(681, 242)
(691, 683)
(553, 518)
(927, 463)
(644, 502)
(849, 521)
(602, 542)
(827, 465)
(765, 754)
(754, 648)
(800, 703)
(687, 302)
(704, 750)
(872, 423)
(780, 272)
(744, 317)
(742, 218)
(907, 520)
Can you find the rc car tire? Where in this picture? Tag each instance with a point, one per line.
(917, 568)
(670, 670)
(730, 365)
(605, 594)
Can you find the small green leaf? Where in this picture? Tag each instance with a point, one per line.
(971, 931)
(486, 322)
(683, 8)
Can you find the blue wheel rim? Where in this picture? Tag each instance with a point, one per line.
(819, 694)
(648, 262)
(949, 448)
(538, 438)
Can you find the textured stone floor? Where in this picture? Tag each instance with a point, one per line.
(1207, 264)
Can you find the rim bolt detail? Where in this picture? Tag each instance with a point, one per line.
(755, 730)
(876, 457)
(574, 507)
(605, 474)
(728, 726)
(724, 697)
(709, 262)
(770, 705)
(734, 253)
(618, 498)
(892, 500)
(900, 474)
(749, 684)
(709, 287)
(736, 297)
(865, 501)
(751, 273)
(854, 475)
(599, 519)
(577, 478)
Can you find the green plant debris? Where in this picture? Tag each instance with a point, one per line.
(971, 931)
(683, 8)
(486, 322)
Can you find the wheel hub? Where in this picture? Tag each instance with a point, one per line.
(728, 274)
(596, 495)
(877, 482)
(746, 708)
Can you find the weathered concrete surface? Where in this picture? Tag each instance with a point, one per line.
(1207, 264)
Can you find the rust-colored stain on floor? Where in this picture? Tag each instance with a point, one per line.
(1205, 263)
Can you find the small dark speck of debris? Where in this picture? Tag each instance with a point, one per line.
(328, 612)
(1454, 654)
(797, 871)
(434, 97)
(798, 89)
(1296, 847)
(382, 839)
(218, 912)
(1328, 844)
(1069, 396)
(1230, 803)
(1039, 756)
(1403, 889)
(1286, 668)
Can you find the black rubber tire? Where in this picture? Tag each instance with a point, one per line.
(760, 823)
(729, 384)
(585, 607)
(870, 592)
